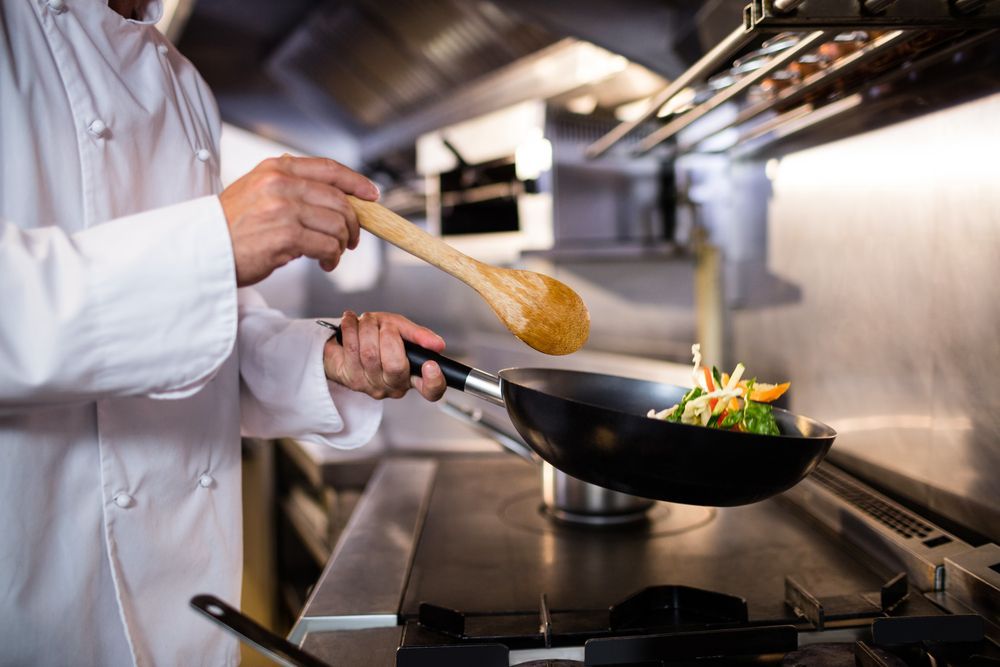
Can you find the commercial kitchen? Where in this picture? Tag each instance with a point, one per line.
(808, 187)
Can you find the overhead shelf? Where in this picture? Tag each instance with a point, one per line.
(794, 64)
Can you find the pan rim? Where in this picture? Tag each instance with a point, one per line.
(825, 431)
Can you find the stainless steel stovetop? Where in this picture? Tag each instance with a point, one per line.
(446, 558)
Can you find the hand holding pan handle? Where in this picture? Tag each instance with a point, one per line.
(456, 374)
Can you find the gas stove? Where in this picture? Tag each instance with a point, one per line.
(453, 562)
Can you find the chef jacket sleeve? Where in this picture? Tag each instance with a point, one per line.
(140, 305)
(283, 387)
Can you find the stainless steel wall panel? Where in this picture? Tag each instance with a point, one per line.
(892, 240)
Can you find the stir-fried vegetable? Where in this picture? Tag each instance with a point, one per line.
(720, 400)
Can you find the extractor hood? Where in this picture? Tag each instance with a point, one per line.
(383, 71)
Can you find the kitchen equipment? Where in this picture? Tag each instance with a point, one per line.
(252, 634)
(442, 565)
(539, 310)
(564, 497)
(593, 427)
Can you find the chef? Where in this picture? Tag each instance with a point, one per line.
(129, 358)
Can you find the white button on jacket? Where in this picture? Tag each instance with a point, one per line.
(128, 359)
(97, 127)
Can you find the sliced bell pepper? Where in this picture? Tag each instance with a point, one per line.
(765, 393)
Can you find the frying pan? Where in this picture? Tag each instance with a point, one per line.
(593, 427)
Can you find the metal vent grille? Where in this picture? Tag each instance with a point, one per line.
(898, 520)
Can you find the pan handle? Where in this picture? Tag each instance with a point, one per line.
(457, 375)
(277, 649)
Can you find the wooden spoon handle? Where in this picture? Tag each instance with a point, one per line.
(403, 234)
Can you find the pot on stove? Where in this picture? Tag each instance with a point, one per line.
(565, 498)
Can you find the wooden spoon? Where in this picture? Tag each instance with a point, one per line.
(541, 311)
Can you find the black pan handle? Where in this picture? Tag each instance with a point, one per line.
(456, 374)
(249, 632)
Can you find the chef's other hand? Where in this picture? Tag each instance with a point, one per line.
(372, 359)
(288, 207)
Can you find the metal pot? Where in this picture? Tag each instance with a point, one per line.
(565, 498)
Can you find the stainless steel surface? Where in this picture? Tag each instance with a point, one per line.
(776, 62)
(840, 67)
(790, 123)
(722, 51)
(887, 336)
(373, 647)
(546, 618)
(875, 6)
(973, 579)
(471, 558)
(761, 18)
(785, 6)
(377, 61)
(967, 6)
(468, 560)
(881, 528)
(810, 117)
(363, 583)
(485, 386)
(571, 499)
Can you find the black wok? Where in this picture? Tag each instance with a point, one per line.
(593, 427)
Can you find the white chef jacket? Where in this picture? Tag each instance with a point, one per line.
(128, 359)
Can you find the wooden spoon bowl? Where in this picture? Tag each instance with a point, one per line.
(541, 311)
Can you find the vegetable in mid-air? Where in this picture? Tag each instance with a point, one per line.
(725, 401)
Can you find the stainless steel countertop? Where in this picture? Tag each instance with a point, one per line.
(362, 584)
(354, 608)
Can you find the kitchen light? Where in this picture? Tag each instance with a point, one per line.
(532, 157)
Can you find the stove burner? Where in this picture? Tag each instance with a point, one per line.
(524, 510)
(563, 516)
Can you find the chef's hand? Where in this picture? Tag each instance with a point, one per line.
(372, 359)
(288, 207)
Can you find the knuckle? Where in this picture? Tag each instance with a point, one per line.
(394, 368)
(274, 206)
(288, 237)
(369, 356)
(273, 180)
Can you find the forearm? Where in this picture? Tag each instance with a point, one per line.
(284, 390)
(142, 305)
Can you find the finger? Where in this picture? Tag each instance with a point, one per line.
(368, 348)
(431, 383)
(327, 196)
(395, 366)
(325, 221)
(351, 370)
(325, 248)
(415, 333)
(332, 173)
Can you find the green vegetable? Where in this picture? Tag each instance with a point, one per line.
(732, 419)
(691, 395)
(717, 376)
(758, 418)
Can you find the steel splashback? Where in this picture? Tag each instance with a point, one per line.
(885, 248)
